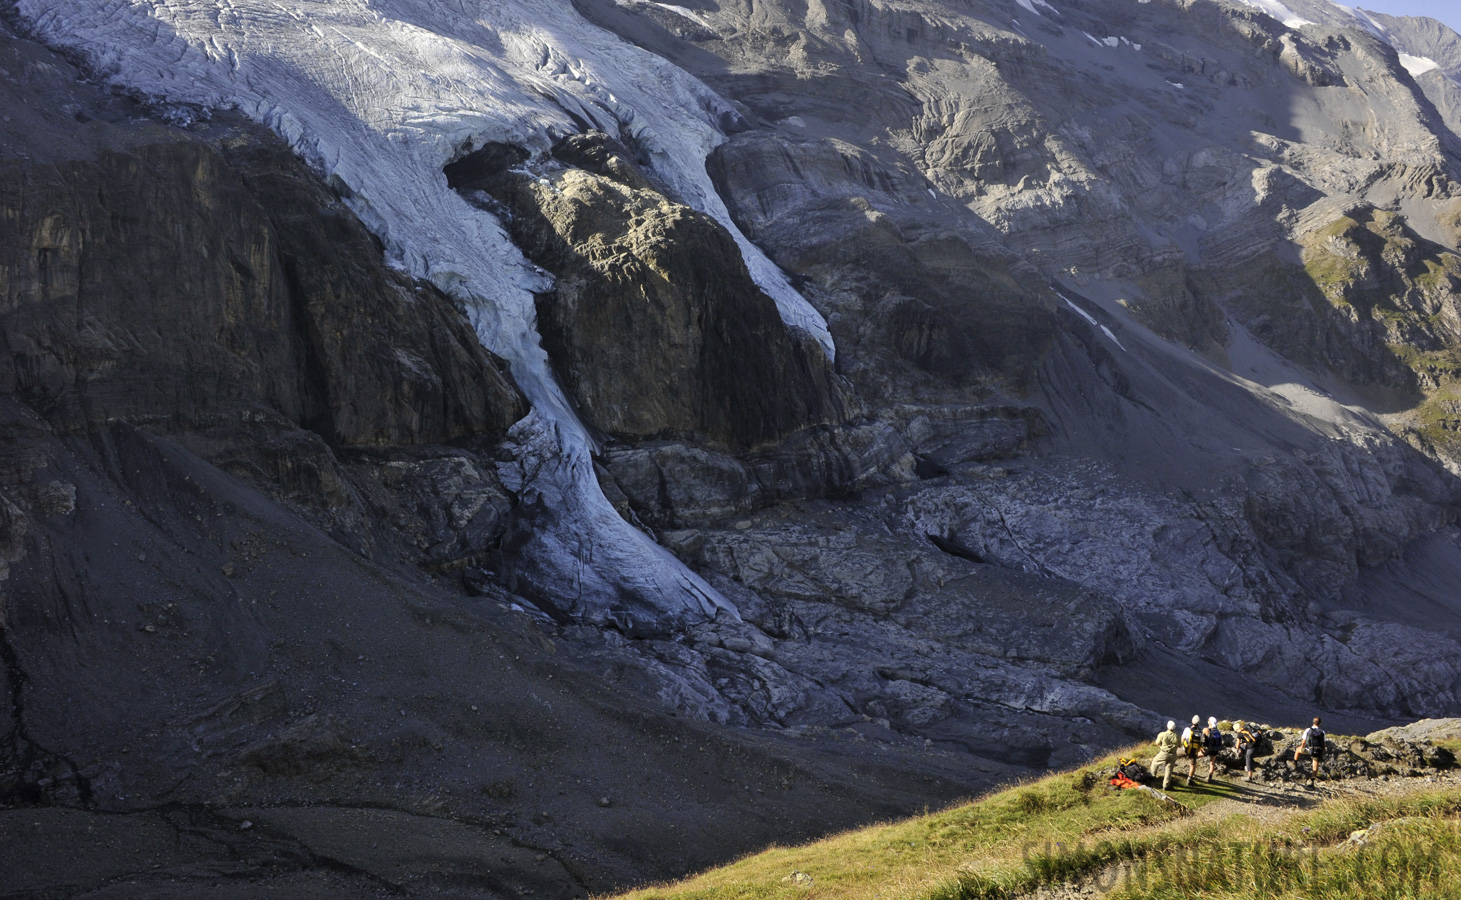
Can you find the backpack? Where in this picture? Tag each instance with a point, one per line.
(1214, 740)
(1315, 735)
(1195, 740)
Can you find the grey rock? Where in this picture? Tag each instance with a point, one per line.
(652, 302)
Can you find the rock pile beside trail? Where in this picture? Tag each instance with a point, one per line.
(1381, 754)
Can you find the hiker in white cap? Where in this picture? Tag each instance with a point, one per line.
(1194, 745)
(1214, 736)
(1167, 744)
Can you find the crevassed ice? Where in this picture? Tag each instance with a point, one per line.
(378, 95)
(373, 88)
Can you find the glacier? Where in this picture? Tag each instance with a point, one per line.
(378, 95)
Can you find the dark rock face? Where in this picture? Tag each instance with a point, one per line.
(188, 286)
(655, 325)
(952, 304)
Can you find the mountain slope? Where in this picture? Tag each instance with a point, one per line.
(890, 393)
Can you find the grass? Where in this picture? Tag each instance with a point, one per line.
(1070, 826)
(1018, 837)
(1414, 851)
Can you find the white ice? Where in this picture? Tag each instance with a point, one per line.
(1364, 19)
(1280, 12)
(1031, 4)
(1092, 319)
(1418, 65)
(689, 14)
(378, 95)
(1110, 42)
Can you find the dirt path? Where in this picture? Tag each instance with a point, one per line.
(1269, 804)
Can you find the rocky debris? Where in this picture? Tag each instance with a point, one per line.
(1380, 755)
(1424, 730)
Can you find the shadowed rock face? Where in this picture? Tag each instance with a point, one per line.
(920, 295)
(250, 518)
(188, 286)
(654, 323)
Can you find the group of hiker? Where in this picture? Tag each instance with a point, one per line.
(1197, 742)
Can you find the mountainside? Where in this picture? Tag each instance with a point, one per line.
(618, 436)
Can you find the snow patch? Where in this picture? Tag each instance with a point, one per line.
(1365, 20)
(1418, 65)
(1280, 12)
(689, 14)
(1111, 42)
(1031, 4)
(1090, 318)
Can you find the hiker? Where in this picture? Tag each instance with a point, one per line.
(1194, 745)
(1313, 741)
(1167, 743)
(1214, 737)
(1247, 744)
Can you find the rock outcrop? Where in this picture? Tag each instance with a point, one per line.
(654, 322)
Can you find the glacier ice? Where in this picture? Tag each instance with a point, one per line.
(378, 95)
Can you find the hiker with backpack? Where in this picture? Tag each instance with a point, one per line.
(1167, 744)
(1247, 745)
(1313, 741)
(1214, 736)
(1194, 745)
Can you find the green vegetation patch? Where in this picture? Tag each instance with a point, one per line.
(1390, 849)
(1127, 845)
(1017, 838)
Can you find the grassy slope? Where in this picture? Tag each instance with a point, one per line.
(1070, 825)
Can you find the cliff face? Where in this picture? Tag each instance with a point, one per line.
(251, 525)
(1199, 255)
(1140, 400)
(654, 323)
(189, 285)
